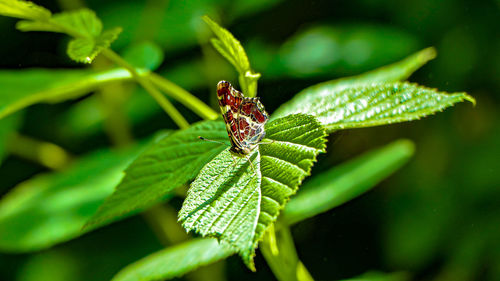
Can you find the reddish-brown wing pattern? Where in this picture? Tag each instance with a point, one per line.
(244, 117)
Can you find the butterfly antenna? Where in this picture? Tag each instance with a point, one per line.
(214, 141)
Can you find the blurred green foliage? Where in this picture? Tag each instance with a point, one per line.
(437, 219)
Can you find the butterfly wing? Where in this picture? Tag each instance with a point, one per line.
(229, 102)
(251, 120)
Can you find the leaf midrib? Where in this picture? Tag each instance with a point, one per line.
(211, 182)
(229, 204)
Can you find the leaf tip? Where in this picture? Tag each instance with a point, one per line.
(469, 98)
(406, 145)
(209, 21)
(248, 260)
(206, 18)
(427, 54)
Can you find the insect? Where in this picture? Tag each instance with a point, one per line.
(244, 117)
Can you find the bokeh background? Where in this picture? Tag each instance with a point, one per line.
(438, 218)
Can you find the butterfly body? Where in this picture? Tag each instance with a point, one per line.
(244, 117)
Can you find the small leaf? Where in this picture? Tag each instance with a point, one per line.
(397, 71)
(86, 49)
(164, 166)
(144, 55)
(81, 23)
(228, 46)
(86, 28)
(236, 200)
(380, 104)
(390, 73)
(219, 46)
(23, 10)
(52, 208)
(347, 181)
(231, 49)
(23, 88)
(175, 261)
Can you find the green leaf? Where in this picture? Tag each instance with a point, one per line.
(23, 88)
(377, 104)
(86, 49)
(228, 46)
(391, 73)
(224, 201)
(164, 166)
(23, 10)
(231, 49)
(86, 28)
(175, 261)
(52, 208)
(297, 140)
(236, 200)
(347, 181)
(144, 55)
(81, 23)
(397, 71)
(381, 104)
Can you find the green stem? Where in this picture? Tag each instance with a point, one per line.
(248, 83)
(112, 97)
(281, 256)
(184, 97)
(116, 124)
(44, 153)
(145, 82)
(244, 85)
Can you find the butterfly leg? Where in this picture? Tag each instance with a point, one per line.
(251, 164)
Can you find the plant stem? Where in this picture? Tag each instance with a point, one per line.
(112, 98)
(184, 97)
(150, 88)
(44, 153)
(281, 256)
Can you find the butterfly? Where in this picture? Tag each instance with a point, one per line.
(244, 117)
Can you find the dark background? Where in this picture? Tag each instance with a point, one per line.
(435, 219)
